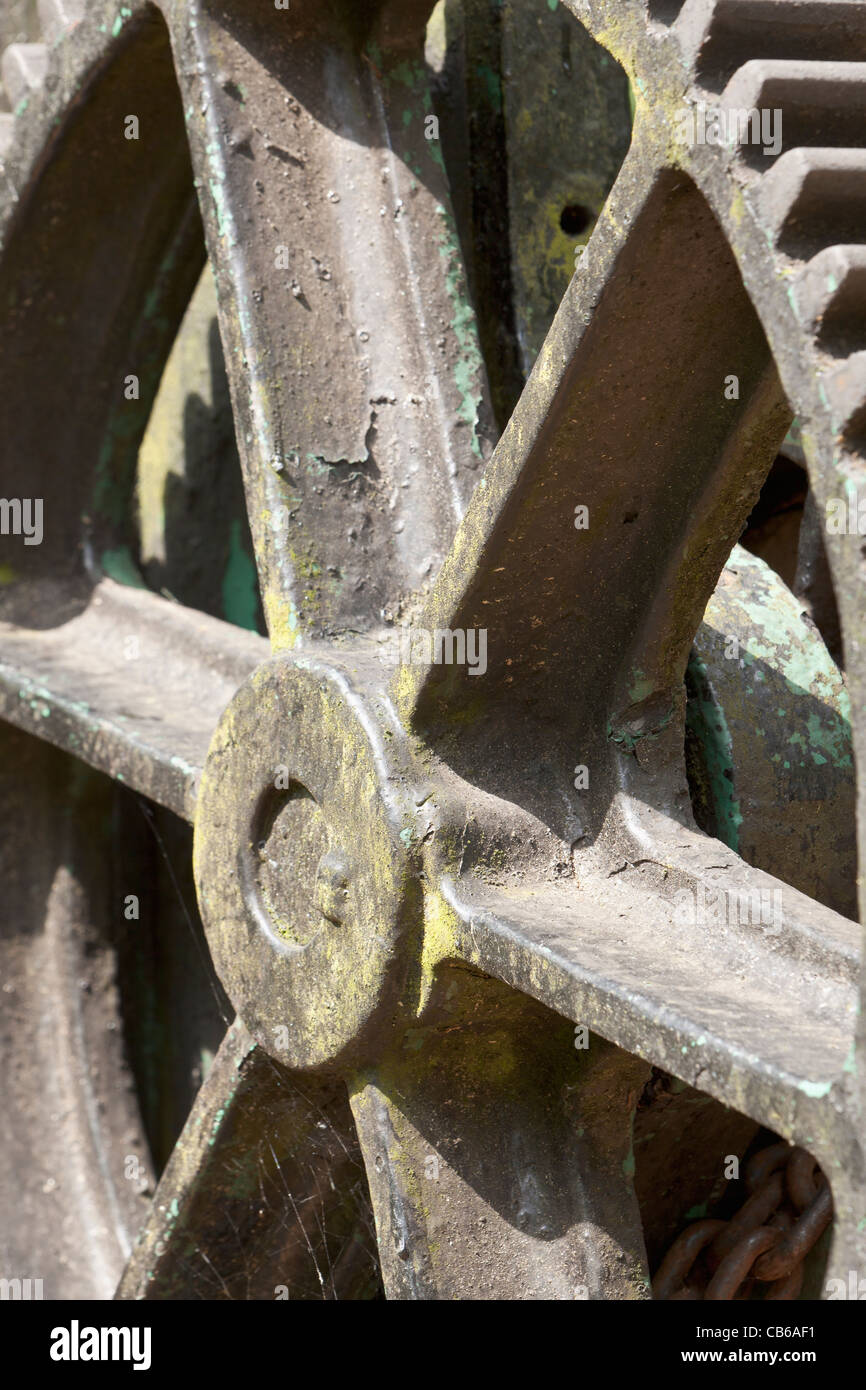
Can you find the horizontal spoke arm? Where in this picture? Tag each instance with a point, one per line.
(720, 974)
(130, 683)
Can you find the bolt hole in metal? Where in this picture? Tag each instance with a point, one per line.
(575, 218)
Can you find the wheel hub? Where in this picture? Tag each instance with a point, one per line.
(301, 860)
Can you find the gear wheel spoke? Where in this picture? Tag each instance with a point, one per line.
(417, 874)
(263, 1197)
(329, 229)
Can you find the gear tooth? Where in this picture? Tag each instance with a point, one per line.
(831, 295)
(830, 97)
(695, 25)
(718, 36)
(813, 198)
(23, 68)
(844, 389)
(7, 125)
(56, 16)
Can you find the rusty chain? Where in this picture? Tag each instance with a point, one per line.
(788, 1207)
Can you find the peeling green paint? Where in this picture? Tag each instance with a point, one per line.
(239, 589)
(815, 1090)
(120, 566)
(215, 1126)
(492, 85)
(641, 687)
(223, 216)
(469, 367)
(706, 720)
(410, 75)
(629, 732)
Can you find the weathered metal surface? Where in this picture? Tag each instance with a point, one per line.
(775, 223)
(70, 1118)
(813, 582)
(772, 760)
(499, 1156)
(727, 1030)
(175, 1012)
(304, 855)
(130, 683)
(464, 51)
(127, 258)
(195, 543)
(264, 1197)
(325, 201)
(487, 877)
(19, 23)
(682, 1141)
(517, 86)
(607, 613)
(567, 114)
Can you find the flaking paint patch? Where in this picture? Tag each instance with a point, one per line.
(815, 1090)
(223, 217)
(468, 368)
(215, 1126)
(119, 22)
(641, 687)
(807, 668)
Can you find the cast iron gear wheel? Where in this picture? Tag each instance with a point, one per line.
(408, 896)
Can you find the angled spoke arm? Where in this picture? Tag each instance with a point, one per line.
(263, 1197)
(702, 980)
(619, 487)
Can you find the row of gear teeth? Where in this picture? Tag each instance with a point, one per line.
(811, 198)
(806, 58)
(23, 65)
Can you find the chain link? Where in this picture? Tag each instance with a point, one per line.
(786, 1211)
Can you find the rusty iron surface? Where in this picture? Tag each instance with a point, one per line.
(787, 1209)
(421, 915)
